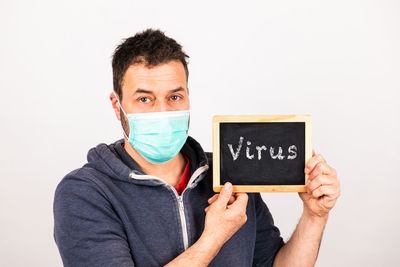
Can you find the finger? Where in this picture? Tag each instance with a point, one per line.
(240, 202)
(232, 199)
(320, 169)
(318, 181)
(207, 208)
(324, 190)
(313, 152)
(215, 197)
(212, 199)
(224, 196)
(329, 202)
(311, 163)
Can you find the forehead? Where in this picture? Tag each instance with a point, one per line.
(164, 76)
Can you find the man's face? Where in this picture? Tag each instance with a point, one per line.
(154, 89)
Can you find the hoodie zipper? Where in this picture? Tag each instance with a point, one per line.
(185, 235)
(179, 198)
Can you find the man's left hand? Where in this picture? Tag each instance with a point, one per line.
(323, 187)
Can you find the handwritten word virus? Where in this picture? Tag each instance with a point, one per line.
(292, 151)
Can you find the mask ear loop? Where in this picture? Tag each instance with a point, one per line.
(187, 131)
(120, 106)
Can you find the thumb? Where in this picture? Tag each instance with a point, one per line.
(224, 195)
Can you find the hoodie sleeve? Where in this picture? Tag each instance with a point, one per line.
(86, 229)
(268, 239)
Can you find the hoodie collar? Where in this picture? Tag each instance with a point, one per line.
(107, 159)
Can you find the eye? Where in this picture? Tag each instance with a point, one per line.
(175, 97)
(144, 99)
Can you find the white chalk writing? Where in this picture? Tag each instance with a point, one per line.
(259, 150)
(235, 155)
(248, 151)
(277, 156)
(292, 151)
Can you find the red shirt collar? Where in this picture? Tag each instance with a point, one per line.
(184, 178)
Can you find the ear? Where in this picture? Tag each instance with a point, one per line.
(115, 105)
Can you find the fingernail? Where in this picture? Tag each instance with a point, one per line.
(228, 187)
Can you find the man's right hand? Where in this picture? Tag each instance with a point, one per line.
(225, 215)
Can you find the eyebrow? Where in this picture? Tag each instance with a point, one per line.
(138, 91)
(177, 90)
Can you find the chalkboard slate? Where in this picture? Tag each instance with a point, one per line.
(261, 153)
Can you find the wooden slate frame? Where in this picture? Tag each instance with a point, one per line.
(259, 118)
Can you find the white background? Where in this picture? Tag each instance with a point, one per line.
(336, 60)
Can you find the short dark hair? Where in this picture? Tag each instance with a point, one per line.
(150, 47)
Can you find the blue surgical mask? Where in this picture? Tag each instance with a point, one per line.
(158, 136)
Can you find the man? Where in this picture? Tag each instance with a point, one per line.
(147, 200)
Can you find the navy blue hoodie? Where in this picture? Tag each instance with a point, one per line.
(108, 214)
